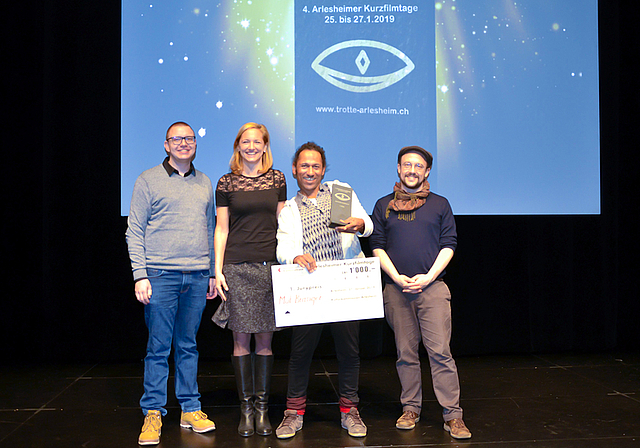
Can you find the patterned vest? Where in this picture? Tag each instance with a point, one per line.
(318, 239)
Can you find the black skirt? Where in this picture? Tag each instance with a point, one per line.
(250, 297)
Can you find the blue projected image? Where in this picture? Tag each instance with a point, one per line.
(365, 89)
(504, 95)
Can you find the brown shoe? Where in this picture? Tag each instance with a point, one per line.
(457, 429)
(407, 420)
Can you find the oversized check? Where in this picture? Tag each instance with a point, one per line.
(336, 291)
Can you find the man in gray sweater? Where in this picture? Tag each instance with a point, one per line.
(170, 240)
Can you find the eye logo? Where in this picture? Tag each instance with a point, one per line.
(361, 84)
(342, 197)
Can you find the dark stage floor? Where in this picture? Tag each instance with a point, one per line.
(563, 400)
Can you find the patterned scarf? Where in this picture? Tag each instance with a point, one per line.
(407, 202)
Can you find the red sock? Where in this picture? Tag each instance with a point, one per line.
(346, 405)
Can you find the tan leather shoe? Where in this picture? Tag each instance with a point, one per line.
(457, 429)
(150, 434)
(197, 421)
(407, 420)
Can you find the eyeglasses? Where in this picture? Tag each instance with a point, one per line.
(190, 139)
(418, 166)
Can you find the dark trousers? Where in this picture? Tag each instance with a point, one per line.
(346, 338)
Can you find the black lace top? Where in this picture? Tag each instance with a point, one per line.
(252, 203)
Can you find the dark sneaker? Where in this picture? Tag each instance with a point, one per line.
(352, 422)
(291, 423)
(407, 420)
(457, 429)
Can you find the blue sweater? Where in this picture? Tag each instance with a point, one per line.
(413, 245)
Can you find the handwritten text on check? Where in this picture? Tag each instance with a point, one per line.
(336, 291)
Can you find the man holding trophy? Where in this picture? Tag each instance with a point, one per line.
(321, 223)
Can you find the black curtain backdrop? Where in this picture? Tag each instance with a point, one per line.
(520, 284)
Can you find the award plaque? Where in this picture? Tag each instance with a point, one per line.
(340, 204)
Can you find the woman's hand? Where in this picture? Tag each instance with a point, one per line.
(221, 286)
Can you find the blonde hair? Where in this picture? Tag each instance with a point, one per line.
(236, 164)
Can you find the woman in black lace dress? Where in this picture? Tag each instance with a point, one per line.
(248, 201)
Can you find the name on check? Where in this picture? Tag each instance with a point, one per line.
(336, 291)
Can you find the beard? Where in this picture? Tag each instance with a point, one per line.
(416, 185)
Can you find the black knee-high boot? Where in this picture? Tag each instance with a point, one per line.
(244, 379)
(263, 368)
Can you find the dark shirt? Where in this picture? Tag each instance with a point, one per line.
(414, 244)
(171, 170)
(253, 203)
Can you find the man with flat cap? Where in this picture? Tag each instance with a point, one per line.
(415, 237)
